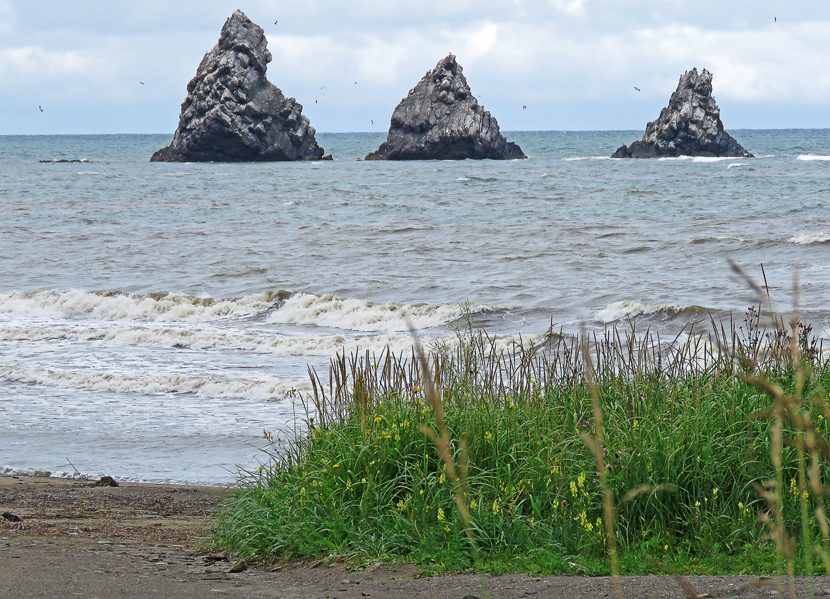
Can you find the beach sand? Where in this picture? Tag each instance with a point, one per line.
(138, 540)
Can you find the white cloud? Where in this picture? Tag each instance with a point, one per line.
(574, 8)
(30, 62)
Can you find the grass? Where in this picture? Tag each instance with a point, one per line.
(618, 453)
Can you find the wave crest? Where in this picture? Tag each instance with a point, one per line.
(629, 309)
(116, 305)
(808, 238)
(361, 315)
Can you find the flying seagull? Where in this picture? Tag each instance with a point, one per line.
(373, 122)
(41, 109)
(637, 88)
(141, 82)
(275, 22)
(322, 87)
(524, 107)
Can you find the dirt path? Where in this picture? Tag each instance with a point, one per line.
(137, 541)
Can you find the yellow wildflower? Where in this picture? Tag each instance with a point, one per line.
(440, 514)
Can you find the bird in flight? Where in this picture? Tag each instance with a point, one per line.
(524, 107)
(275, 22)
(373, 122)
(776, 19)
(637, 88)
(41, 109)
(141, 82)
(322, 87)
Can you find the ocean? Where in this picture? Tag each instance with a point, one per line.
(157, 318)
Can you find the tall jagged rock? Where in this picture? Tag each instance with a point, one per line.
(689, 126)
(232, 113)
(440, 119)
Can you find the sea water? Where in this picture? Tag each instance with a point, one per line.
(157, 318)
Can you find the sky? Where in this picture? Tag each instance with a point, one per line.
(573, 63)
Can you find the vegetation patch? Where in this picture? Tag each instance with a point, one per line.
(585, 455)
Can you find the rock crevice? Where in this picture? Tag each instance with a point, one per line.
(232, 113)
(689, 126)
(440, 119)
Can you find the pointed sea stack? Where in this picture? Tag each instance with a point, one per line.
(232, 113)
(689, 126)
(441, 120)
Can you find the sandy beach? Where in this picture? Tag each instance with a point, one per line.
(139, 541)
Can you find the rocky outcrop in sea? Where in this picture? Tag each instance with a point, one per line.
(689, 126)
(232, 113)
(441, 120)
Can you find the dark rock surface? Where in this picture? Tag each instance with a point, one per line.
(441, 120)
(232, 113)
(689, 126)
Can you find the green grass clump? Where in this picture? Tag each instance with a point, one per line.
(699, 480)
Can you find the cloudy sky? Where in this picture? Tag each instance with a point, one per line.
(573, 63)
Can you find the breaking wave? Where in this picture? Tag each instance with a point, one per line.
(153, 384)
(361, 315)
(629, 309)
(808, 238)
(116, 305)
(813, 158)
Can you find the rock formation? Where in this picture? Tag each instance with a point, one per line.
(440, 119)
(232, 113)
(689, 126)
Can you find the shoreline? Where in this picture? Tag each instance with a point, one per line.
(138, 540)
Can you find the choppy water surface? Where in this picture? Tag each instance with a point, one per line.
(155, 318)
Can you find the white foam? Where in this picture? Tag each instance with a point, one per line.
(813, 158)
(463, 179)
(736, 165)
(808, 238)
(361, 315)
(153, 384)
(173, 307)
(629, 308)
(265, 343)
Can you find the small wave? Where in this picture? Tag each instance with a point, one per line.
(63, 160)
(697, 159)
(579, 158)
(736, 165)
(154, 307)
(808, 238)
(629, 309)
(474, 178)
(152, 384)
(361, 315)
(813, 158)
